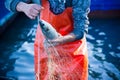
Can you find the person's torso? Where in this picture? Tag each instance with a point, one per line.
(63, 22)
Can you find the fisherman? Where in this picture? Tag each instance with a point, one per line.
(80, 12)
(69, 18)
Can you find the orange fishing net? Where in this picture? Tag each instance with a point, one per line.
(63, 62)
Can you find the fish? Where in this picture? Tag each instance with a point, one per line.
(48, 30)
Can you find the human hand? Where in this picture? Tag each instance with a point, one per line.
(57, 41)
(31, 10)
(60, 40)
(49, 43)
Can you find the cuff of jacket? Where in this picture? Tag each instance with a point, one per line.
(14, 5)
(78, 34)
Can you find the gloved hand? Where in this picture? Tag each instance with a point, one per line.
(31, 10)
(60, 40)
(54, 42)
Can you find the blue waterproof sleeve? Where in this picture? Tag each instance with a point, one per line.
(80, 17)
(12, 4)
(81, 9)
(57, 6)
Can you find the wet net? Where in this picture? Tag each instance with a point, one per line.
(59, 65)
(66, 61)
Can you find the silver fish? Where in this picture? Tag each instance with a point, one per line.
(48, 30)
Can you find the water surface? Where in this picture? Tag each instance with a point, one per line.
(17, 53)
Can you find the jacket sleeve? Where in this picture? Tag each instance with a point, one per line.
(80, 17)
(11, 4)
(57, 6)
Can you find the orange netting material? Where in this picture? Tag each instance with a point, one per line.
(64, 62)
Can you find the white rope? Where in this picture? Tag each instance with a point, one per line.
(38, 61)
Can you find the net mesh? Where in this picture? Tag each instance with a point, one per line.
(59, 65)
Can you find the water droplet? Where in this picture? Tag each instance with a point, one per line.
(101, 34)
(118, 47)
(90, 37)
(96, 30)
(110, 45)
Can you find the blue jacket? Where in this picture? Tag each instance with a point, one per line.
(80, 12)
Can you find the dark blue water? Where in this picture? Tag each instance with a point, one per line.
(3, 10)
(16, 50)
(17, 53)
(104, 49)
